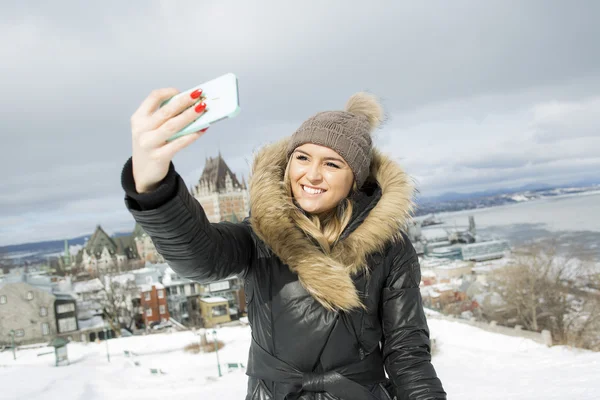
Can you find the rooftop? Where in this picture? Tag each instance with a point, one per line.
(212, 300)
(92, 285)
(147, 287)
(64, 296)
(144, 270)
(215, 174)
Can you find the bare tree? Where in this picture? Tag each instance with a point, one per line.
(545, 290)
(117, 299)
(581, 328)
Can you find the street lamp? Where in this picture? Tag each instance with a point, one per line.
(217, 351)
(106, 341)
(12, 342)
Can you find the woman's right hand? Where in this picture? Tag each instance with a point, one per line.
(151, 126)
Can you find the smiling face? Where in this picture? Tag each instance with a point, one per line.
(319, 177)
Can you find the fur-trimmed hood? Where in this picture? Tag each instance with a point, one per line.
(327, 277)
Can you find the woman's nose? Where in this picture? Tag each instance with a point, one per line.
(314, 173)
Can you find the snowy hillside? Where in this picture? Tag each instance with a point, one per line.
(472, 364)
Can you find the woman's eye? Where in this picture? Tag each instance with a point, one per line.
(301, 157)
(332, 165)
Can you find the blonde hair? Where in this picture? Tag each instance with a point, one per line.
(325, 228)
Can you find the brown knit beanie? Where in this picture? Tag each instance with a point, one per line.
(346, 132)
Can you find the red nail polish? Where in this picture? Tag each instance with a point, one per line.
(196, 94)
(203, 130)
(200, 107)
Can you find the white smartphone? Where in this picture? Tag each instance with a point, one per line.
(222, 99)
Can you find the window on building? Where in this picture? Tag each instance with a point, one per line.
(193, 288)
(43, 312)
(162, 309)
(2, 299)
(67, 325)
(30, 295)
(218, 311)
(19, 333)
(161, 294)
(147, 296)
(148, 312)
(65, 308)
(45, 329)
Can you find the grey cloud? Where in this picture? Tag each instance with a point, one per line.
(54, 189)
(76, 72)
(56, 225)
(498, 161)
(521, 158)
(567, 120)
(550, 173)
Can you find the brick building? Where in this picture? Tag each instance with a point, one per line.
(153, 303)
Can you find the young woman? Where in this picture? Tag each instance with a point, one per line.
(331, 282)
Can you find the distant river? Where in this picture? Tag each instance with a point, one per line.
(572, 219)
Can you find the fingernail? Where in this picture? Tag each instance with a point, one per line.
(196, 94)
(203, 130)
(200, 107)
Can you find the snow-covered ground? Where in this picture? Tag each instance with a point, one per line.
(473, 364)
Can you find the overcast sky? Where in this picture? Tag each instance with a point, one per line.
(479, 95)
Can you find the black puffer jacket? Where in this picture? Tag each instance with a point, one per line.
(312, 339)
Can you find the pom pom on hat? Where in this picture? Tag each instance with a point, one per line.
(366, 104)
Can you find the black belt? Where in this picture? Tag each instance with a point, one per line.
(342, 382)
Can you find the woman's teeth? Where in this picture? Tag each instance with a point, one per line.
(312, 190)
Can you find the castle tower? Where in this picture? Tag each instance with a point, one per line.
(220, 192)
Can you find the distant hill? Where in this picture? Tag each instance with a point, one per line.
(452, 196)
(50, 246)
(449, 202)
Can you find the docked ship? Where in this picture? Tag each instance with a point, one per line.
(442, 242)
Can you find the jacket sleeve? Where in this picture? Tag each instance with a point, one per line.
(175, 221)
(406, 344)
